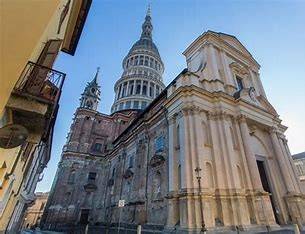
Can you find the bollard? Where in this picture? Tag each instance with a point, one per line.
(139, 229)
(296, 229)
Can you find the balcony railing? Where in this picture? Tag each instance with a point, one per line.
(40, 82)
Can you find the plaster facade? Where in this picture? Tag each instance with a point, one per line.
(32, 35)
(208, 153)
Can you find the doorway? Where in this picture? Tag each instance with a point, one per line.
(265, 183)
(84, 216)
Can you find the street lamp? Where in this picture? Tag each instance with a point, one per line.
(198, 170)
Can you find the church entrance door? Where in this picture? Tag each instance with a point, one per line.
(265, 183)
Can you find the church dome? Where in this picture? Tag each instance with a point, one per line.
(144, 44)
(141, 81)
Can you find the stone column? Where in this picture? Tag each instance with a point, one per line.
(127, 89)
(281, 161)
(217, 159)
(287, 154)
(134, 87)
(173, 215)
(250, 156)
(186, 161)
(141, 93)
(186, 202)
(172, 157)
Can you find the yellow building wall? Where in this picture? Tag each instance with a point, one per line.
(22, 25)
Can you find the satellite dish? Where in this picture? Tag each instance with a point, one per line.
(12, 135)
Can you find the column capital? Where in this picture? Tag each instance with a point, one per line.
(172, 119)
(218, 115)
(242, 118)
(272, 130)
(190, 109)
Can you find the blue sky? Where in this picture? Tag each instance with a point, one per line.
(273, 31)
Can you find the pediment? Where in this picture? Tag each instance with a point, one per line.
(233, 41)
(249, 95)
(266, 105)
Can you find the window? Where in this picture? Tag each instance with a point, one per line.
(146, 61)
(91, 176)
(121, 106)
(141, 60)
(119, 93)
(144, 91)
(128, 104)
(138, 90)
(113, 172)
(131, 88)
(157, 91)
(130, 164)
(144, 104)
(159, 144)
(136, 61)
(136, 104)
(124, 90)
(151, 90)
(240, 84)
(97, 147)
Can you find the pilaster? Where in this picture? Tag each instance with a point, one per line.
(251, 159)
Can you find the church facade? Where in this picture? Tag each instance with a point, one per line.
(207, 152)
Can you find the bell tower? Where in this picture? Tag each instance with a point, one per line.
(91, 95)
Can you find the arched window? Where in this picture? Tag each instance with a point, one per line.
(144, 91)
(89, 104)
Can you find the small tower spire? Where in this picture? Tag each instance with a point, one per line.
(95, 79)
(91, 95)
(148, 13)
(147, 25)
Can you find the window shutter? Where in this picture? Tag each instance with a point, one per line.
(49, 53)
(36, 82)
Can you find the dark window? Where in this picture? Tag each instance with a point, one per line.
(91, 176)
(144, 90)
(97, 147)
(138, 90)
(159, 144)
(131, 89)
(240, 84)
(113, 172)
(130, 165)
